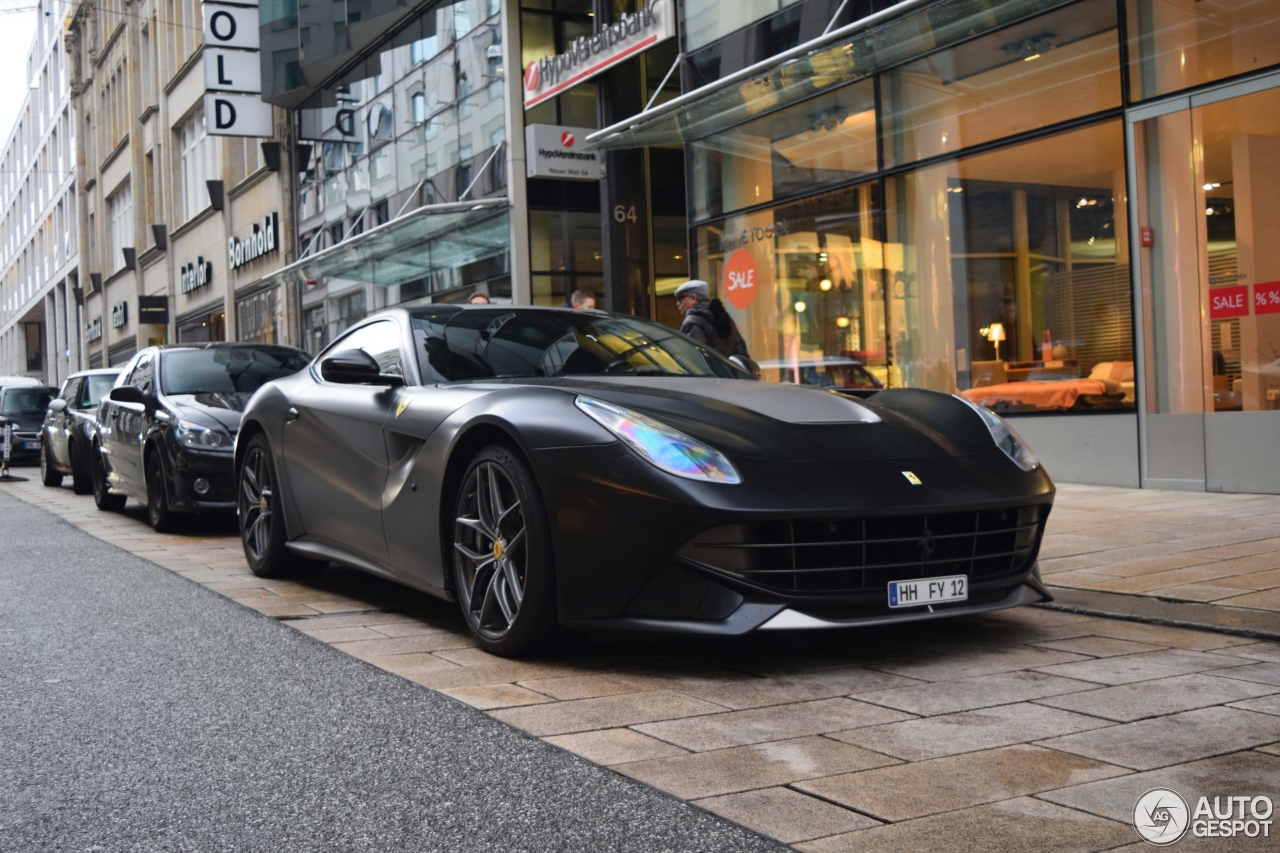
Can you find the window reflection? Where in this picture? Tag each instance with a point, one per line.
(825, 140)
(1030, 75)
(1174, 44)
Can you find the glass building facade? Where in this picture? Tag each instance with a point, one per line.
(1055, 209)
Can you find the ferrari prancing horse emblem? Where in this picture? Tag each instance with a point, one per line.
(402, 405)
(912, 478)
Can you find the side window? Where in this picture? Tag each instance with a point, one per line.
(70, 389)
(380, 340)
(93, 389)
(144, 375)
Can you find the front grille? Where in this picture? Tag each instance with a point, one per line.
(856, 554)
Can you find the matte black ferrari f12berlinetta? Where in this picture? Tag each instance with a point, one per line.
(548, 466)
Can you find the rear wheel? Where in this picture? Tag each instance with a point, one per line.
(158, 511)
(48, 474)
(81, 481)
(262, 531)
(503, 570)
(102, 496)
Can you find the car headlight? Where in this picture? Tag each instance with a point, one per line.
(192, 434)
(1005, 437)
(664, 447)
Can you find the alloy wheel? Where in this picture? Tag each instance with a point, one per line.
(256, 517)
(491, 556)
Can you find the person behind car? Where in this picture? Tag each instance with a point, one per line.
(584, 299)
(706, 321)
(478, 298)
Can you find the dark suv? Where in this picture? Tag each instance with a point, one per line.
(167, 430)
(70, 426)
(22, 407)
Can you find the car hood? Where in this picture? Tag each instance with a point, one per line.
(224, 409)
(766, 420)
(27, 422)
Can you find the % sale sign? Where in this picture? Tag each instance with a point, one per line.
(1266, 298)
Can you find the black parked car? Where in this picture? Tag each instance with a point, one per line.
(542, 465)
(23, 407)
(166, 430)
(70, 425)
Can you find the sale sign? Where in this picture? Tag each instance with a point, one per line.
(1266, 298)
(741, 278)
(1227, 302)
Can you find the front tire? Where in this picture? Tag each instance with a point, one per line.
(48, 474)
(158, 511)
(503, 567)
(258, 504)
(102, 496)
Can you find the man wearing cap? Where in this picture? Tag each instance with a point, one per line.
(706, 321)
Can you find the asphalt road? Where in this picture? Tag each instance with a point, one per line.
(140, 711)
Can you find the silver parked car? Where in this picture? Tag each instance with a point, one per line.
(66, 438)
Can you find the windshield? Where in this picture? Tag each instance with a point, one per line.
(26, 401)
(228, 370)
(459, 344)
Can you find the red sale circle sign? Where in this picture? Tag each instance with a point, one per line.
(741, 279)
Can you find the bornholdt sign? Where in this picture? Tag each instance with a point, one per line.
(261, 241)
(587, 56)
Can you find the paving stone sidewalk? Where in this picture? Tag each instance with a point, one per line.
(1023, 730)
(1182, 546)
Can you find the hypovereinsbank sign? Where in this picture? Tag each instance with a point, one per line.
(587, 56)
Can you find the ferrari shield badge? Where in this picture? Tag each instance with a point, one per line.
(403, 404)
(912, 478)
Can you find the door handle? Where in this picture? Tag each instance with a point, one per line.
(291, 415)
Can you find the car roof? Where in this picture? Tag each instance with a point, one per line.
(7, 388)
(97, 371)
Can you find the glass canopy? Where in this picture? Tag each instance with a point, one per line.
(843, 56)
(428, 240)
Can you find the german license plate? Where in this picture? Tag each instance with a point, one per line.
(31, 445)
(928, 591)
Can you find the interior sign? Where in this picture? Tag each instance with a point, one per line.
(195, 275)
(552, 151)
(587, 56)
(260, 242)
(233, 105)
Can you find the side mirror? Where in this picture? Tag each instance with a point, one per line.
(356, 367)
(128, 394)
(58, 406)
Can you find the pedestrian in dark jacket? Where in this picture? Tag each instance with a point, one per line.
(706, 321)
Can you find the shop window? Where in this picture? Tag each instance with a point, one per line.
(825, 140)
(1213, 305)
(259, 318)
(707, 20)
(805, 284)
(1174, 44)
(1030, 75)
(1007, 276)
(314, 338)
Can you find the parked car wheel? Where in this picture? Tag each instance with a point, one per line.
(503, 570)
(159, 514)
(81, 480)
(48, 475)
(262, 530)
(102, 496)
